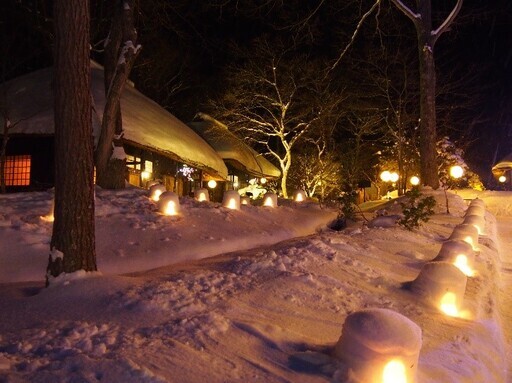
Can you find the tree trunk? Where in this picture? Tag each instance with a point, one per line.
(120, 54)
(428, 152)
(72, 243)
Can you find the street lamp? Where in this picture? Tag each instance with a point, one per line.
(502, 179)
(414, 180)
(391, 177)
(456, 172)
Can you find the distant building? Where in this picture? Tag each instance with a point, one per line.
(244, 164)
(157, 144)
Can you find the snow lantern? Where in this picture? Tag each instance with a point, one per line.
(245, 200)
(231, 200)
(201, 195)
(151, 183)
(442, 285)
(299, 195)
(465, 232)
(477, 202)
(169, 203)
(50, 217)
(155, 191)
(459, 253)
(380, 345)
(475, 210)
(270, 199)
(477, 221)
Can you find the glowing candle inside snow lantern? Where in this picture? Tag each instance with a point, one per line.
(169, 203)
(231, 200)
(155, 191)
(435, 280)
(460, 254)
(380, 346)
(299, 195)
(467, 233)
(270, 199)
(201, 195)
(245, 200)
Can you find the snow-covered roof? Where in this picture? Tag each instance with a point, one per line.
(145, 123)
(503, 165)
(232, 149)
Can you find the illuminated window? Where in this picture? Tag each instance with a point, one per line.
(148, 166)
(133, 162)
(17, 171)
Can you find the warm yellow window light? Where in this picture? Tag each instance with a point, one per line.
(448, 304)
(145, 175)
(394, 372)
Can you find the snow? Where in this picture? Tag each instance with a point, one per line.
(144, 121)
(255, 294)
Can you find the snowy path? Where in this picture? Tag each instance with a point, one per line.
(505, 236)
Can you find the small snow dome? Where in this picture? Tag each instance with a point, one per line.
(380, 345)
(442, 285)
(245, 200)
(459, 253)
(201, 195)
(465, 232)
(270, 199)
(477, 202)
(231, 200)
(299, 195)
(155, 191)
(475, 210)
(477, 221)
(169, 203)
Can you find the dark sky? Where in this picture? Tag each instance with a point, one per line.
(189, 42)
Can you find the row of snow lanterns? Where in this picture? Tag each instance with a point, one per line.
(168, 202)
(443, 281)
(383, 346)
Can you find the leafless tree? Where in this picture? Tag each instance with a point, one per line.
(274, 101)
(427, 37)
(121, 50)
(73, 240)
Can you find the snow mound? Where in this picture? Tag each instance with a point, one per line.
(372, 340)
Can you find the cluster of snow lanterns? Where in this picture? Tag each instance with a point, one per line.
(383, 346)
(168, 202)
(442, 282)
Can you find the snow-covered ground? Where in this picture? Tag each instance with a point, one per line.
(264, 307)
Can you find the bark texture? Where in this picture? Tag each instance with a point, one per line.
(73, 241)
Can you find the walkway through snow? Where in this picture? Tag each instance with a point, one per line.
(505, 236)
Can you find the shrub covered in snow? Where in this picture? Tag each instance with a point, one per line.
(416, 209)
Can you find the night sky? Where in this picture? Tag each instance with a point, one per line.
(188, 45)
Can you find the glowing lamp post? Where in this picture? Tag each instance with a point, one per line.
(442, 285)
(155, 191)
(169, 203)
(201, 195)
(391, 177)
(270, 199)
(414, 180)
(231, 200)
(380, 346)
(212, 184)
(502, 179)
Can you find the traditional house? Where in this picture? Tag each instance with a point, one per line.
(244, 163)
(157, 144)
(502, 170)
